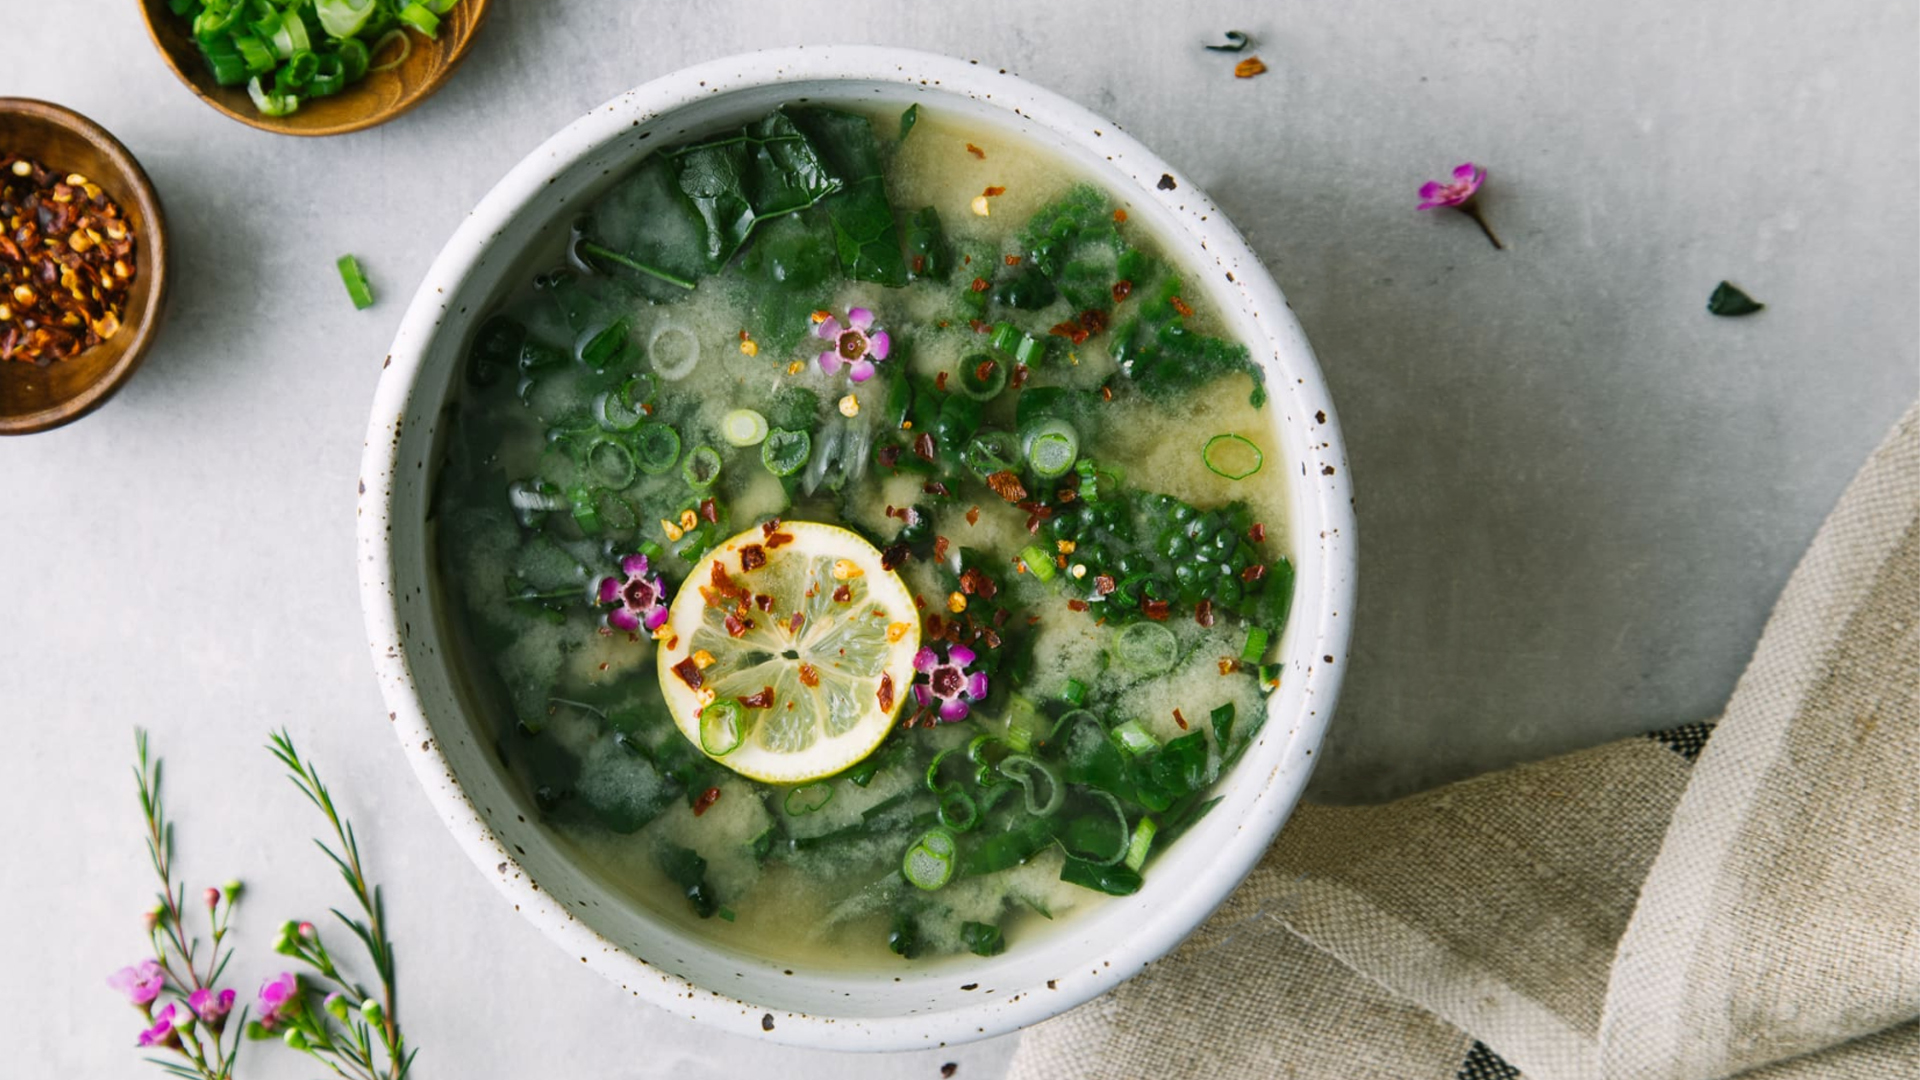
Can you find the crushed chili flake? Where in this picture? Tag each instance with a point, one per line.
(1258, 533)
(710, 510)
(1156, 610)
(779, 539)
(994, 192)
(809, 675)
(753, 557)
(1178, 719)
(973, 515)
(919, 264)
(843, 594)
(889, 456)
(689, 673)
(984, 370)
(978, 326)
(940, 382)
(976, 152)
(724, 584)
(1122, 290)
(1180, 306)
(940, 547)
(793, 624)
(66, 263)
(885, 693)
(1012, 260)
(923, 445)
(1006, 484)
(936, 487)
(1253, 573)
(1019, 376)
(1000, 617)
(974, 582)
(992, 639)
(936, 626)
(1248, 68)
(979, 284)
(1120, 217)
(1229, 665)
(1103, 584)
(1072, 331)
(1203, 613)
(706, 800)
(894, 557)
(762, 699)
(763, 601)
(1094, 320)
(1077, 605)
(1106, 393)
(735, 626)
(769, 527)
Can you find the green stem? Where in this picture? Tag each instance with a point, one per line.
(610, 255)
(1473, 211)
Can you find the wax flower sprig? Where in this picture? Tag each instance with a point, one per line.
(325, 1014)
(1460, 193)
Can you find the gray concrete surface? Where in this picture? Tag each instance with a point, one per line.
(1578, 493)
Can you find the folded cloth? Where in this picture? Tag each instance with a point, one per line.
(1672, 907)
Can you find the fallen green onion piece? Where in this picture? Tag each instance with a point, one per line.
(785, 452)
(1255, 647)
(701, 468)
(610, 412)
(928, 864)
(421, 18)
(1134, 739)
(1236, 41)
(1142, 841)
(609, 463)
(806, 799)
(1021, 769)
(1222, 451)
(1075, 693)
(1052, 447)
(613, 256)
(391, 36)
(356, 282)
(1146, 648)
(1037, 563)
(743, 427)
(1730, 300)
(657, 447)
(722, 729)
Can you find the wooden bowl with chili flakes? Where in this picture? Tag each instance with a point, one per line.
(37, 395)
(375, 99)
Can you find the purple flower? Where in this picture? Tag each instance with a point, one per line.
(210, 1006)
(857, 345)
(141, 983)
(279, 995)
(641, 600)
(1467, 178)
(161, 1033)
(948, 683)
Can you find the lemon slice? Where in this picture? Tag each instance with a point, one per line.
(796, 644)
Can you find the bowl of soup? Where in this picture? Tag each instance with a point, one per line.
(855, 547)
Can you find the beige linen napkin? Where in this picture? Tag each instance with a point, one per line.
(1623, 913)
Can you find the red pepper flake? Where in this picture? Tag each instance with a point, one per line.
(763, 602)
(923, 445)
(940, 382)
(1229, 665)
(976, 152)
(939, 547)
(1012, 260)
(809, 675)
(1120, 217)
(1102, 585)
(793, 624)
(919, 264)
(1106, 393)
(1094, 320)
(1178, 719)
(1180, 306)
(885, 693)
(894, 557)
(1007, 485)
(1019, 376)
(710, 510)
(984, 370)
(1248, 68)
(974, 582)
(724, 584)
(1258, 533)
(994, 192)
(1253, 573)
(1000, 617)
(753, 557)
(935, 626)
(689, 673)
(978, 326)
(1154, 609)
(735, 627)
(769, 527)
(1122, 290)
(973, 515)
(1203, 613)
(707, 799)
(779, 539)
(992, 639)
(1072, 331)
(647, 407)
(1066, 495)
(842, 595)
(889, 455)
(936, 487)
(979, 284)
(1077, 605)
(763, 699)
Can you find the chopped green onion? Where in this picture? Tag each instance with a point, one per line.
(1134, 739)
(982, 939)
(701, 468)
(1023, 723)
(421, 18)
(1021, 769)
(1269, 675)
(597, 347)
(224, 60)
(354, 54)
(1051, 448)
(357, 288)
(978, 387)
(1142, 841)
(785, 452)
(216, 23)
(928, 864)
(958, 811)
(1015, 345)
(393, 35)
(440, 7)
(1037, 562)
(651, 550)
(290, 37)
(909, 118)
(1075, 693)
(989, 452)
(183, 7)
(344, 18)
(610, 412)
(1232, 456)
(329, 76)
(657, 447)
(743, 427)
(259, 59)
(726, 913)
(806, 799)
(299, 71)
(1146, 648)
(1255, 647)
(722, 727)
(609, 463)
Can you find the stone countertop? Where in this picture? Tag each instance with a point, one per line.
(1578, 493)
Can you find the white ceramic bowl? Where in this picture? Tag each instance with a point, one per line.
(914, 1005)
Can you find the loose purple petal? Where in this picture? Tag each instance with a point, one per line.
(829, 330)
(634, 566)
(859, 318)
(924, 660)
(621, 618)
(960, 656)
(954, 711)
(977, 685)
(860, 370)
(879, 345)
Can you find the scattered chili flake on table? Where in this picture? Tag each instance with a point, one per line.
(66, 263)
(1248, 68)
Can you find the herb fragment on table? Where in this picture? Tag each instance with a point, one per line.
(1236, 42)
(1730, 300)
(1248, 68)
(1461, 193)
(358, 290)
(67, 263)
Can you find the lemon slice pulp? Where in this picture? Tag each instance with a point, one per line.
(800, 626)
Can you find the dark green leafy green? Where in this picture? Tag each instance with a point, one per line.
(929, 256)
(908, 119)
(1075, 243)
(864, 231)
(982, 939)
(764, 170)
(1729, 299)
(684, 867)
(1115, 880)
(1164, 359)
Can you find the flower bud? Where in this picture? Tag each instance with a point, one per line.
(231, 890)
(150, 919)
(289, 929)
(285, 946)
(306, 930)
(183, 1020)
(295, 1039)
(373, 1012)
(213, 898)
(258, 1031)
(337, 1007)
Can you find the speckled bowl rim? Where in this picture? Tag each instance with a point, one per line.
(1272, 774)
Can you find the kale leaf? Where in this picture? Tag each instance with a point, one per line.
(864, 230)
(764, 170)
(1164, 359)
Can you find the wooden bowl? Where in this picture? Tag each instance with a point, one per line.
(379, 97)
(35, 398)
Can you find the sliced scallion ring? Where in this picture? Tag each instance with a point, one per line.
(386, 39)
(722, 727)
(785, 452)
(978, 386)
(1232, 456)
(614, 414)
(609, 464)
(743, 427)
(343, 18)
(597, 347)
(1051, 448)
(656, 447)
(1021, 769)
(673, 351)
(807, 798)
(928, 864)
(701, 468)
(989, 452)
(1147, 648)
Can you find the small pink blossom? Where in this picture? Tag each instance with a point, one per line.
(210, 1006)
(856, 344)
(640, 600)
(141, 983)
(1467, 178)
(213, 898)
(279, 996)
(949, 684)
(161, 1033)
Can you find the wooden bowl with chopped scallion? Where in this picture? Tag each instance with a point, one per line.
(313, 67)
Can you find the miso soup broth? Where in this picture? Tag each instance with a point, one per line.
(863, 541)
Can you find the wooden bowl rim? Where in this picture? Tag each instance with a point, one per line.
(138, 189)
(274, 124)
